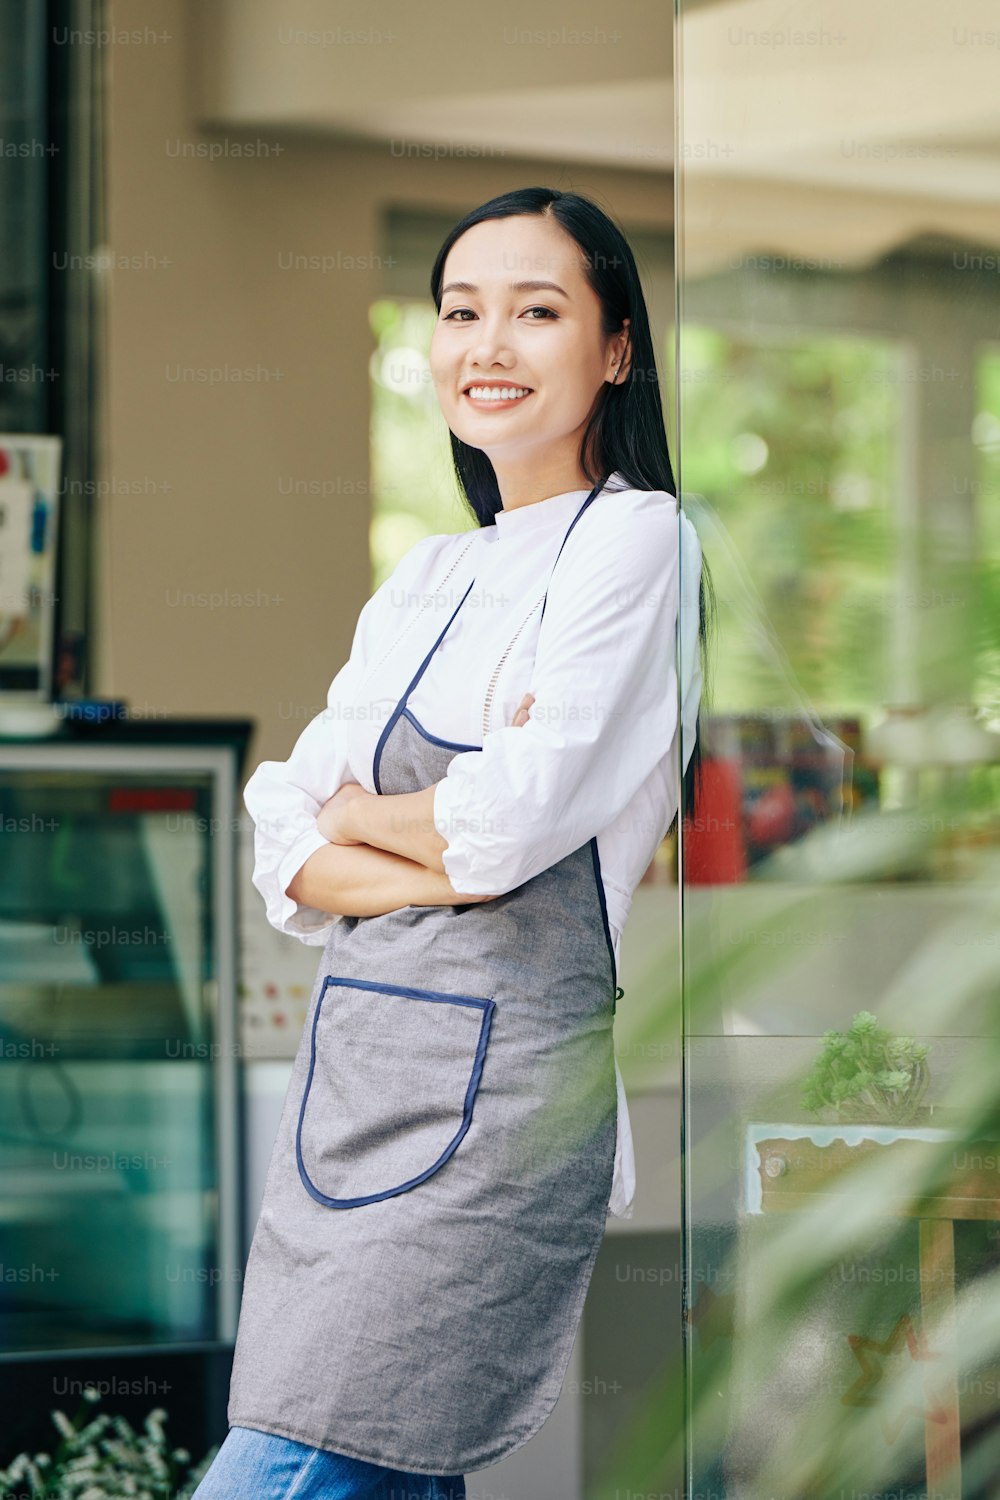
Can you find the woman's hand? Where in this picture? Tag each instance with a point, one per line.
(522, 708)
(329, 819)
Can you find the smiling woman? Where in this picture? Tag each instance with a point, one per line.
(462, 831)
(497, 350)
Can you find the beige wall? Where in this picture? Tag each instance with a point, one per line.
(415, 66)
(208, 459)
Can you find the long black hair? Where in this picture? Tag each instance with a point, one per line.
(625, 433)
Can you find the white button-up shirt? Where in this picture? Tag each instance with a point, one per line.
(599, 752)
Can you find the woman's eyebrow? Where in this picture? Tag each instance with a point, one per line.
(515, 286)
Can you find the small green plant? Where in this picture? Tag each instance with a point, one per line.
(104, 1457)
(867, 1073)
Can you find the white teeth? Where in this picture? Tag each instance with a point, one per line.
(497, 393)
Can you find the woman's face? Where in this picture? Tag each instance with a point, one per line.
(542, 344)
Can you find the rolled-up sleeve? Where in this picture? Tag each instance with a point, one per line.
(283, 797)
(605, 710)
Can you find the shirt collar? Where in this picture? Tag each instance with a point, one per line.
(542, 515)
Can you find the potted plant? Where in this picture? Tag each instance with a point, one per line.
(866, 1092)
(866, 1073)
(103, 1456)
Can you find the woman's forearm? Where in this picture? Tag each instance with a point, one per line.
(399, 823)
(355, 880)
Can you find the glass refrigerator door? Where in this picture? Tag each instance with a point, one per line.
(117, 1090)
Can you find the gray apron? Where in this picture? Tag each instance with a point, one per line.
(439, 1185)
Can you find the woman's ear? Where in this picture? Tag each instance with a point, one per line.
(621, 359)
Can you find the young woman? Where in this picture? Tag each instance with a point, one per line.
(462, 831)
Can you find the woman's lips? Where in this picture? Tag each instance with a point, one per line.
(492, 403)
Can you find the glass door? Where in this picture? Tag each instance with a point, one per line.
(838, 408)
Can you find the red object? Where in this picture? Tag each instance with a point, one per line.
(771, 819)
(128, 799)
(714, 849)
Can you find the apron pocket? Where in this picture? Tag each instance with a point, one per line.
(393, 1075)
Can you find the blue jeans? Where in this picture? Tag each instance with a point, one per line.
(252, 1465)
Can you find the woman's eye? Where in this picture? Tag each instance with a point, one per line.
(456, 312)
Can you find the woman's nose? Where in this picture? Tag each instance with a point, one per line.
(490, 344)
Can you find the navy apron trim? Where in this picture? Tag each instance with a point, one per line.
(400, 706)
(602, 898)
(479, 1002)
(487, 1006)
(592, 496)
(435, 739)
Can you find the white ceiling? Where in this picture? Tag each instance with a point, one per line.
(880, 123)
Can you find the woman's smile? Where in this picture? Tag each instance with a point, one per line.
(495, 395)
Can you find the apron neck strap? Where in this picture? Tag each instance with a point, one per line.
(592, 496)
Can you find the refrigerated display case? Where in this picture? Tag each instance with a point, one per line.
(120, 1112)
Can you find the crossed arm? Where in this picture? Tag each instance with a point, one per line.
(384, 852)
(605, 676)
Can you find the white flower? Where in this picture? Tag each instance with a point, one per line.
(63, 1423)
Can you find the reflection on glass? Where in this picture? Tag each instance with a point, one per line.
(838, 400)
